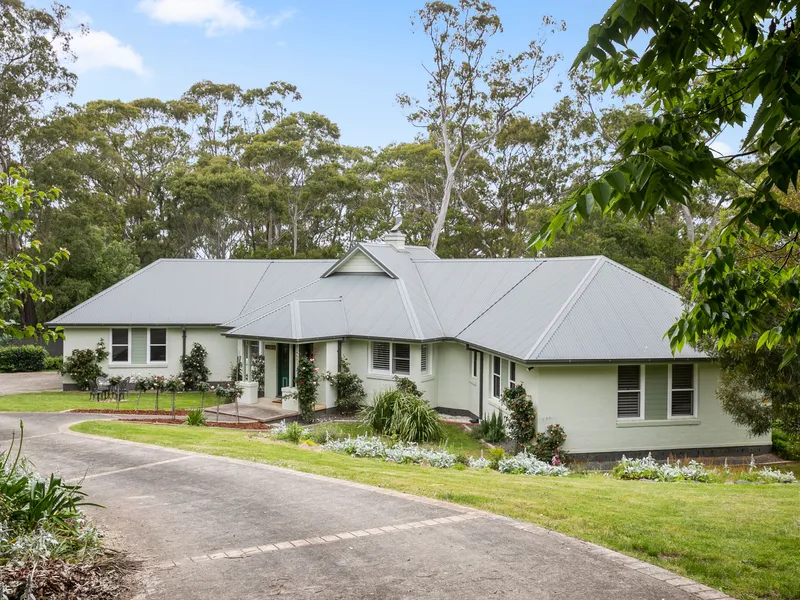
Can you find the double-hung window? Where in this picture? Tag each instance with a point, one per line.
(682, 393)
(497, 387)
(391, 358)
(157, 345)
(629, 392)
(512, 375)
(120, 346)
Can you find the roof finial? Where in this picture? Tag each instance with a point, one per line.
(398, 221)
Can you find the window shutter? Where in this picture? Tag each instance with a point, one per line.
(380, 356)
(423, 358)
(402, 358)
(628, 391)
(682, 390)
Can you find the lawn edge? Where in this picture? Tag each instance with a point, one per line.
(689, 586)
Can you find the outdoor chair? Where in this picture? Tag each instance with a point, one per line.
(104, 387)
(123, 387)
(94, 391)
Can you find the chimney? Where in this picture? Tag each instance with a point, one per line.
(395, 238)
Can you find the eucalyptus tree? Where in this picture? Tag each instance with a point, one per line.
(34, 45)
(470, 94)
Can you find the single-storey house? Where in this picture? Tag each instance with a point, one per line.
(584, 335)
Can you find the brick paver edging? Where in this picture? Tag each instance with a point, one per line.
(313, 541)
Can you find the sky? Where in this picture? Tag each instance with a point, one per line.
(348, 58)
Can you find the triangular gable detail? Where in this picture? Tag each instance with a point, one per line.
(359, 261)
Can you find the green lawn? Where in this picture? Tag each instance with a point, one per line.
(456, 439)
(743, 539)
(58, 401)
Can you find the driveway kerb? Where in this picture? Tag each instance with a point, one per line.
(685, 584)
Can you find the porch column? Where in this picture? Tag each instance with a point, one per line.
(327, 359)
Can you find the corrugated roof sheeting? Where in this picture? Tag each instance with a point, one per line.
(571, 309)
(283, 277)
(400, 264)
(618, 316)
(181, 292)
(514, 323)
(461, 290)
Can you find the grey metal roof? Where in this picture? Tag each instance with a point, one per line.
(190, 292)
(533, 310)
(617, 315)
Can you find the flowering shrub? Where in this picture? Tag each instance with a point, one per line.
(306, 382)
(83, 365)
(649, 468)
(530, 465)
(159, 384)
(195, 370)
(227, 393)
(522, 415)
(550, 444)
(173, 385)
(349, 388)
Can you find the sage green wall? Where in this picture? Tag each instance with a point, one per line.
(583, 399)
(655, 392)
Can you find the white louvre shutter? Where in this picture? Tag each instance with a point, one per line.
(423, 358)
(381, 356)
(628, 391)
(682, 390)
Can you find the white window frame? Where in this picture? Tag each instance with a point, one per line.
(642, 369)
(474, 364)
(499, 375)
(428, 370)
(670, 416)
(165, 344)
(390, 371)
(111, 345)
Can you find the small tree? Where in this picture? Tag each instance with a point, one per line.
(159, 385)
(229, 392)
(142, 383)
(522, 418)
(307, 382)
(349, 388)
(194, 366)
(173, 385)
(203, 387)
(258, 365)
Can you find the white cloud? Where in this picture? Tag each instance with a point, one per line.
(101, 50)
(281, 18)
(217, 16)
(721, 148)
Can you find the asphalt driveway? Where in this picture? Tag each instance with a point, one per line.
(18, 383)
(208, 527)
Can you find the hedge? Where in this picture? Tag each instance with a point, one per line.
(22, 359)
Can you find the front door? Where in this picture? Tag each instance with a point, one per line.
(284, 352)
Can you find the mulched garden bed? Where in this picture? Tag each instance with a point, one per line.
(252, 425)
(111, 411)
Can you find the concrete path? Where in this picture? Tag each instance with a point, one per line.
(18, 383)
(217, 528)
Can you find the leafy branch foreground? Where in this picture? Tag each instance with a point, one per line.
(48, 547)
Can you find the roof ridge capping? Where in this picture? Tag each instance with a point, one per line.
(566, 308)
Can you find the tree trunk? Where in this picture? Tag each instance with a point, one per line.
(438, 227)
(689, 221)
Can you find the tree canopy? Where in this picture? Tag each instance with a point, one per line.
(706, 66)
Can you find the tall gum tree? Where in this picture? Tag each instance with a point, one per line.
(471, 94)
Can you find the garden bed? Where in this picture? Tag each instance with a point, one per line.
(108, 411)
(252, 425)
